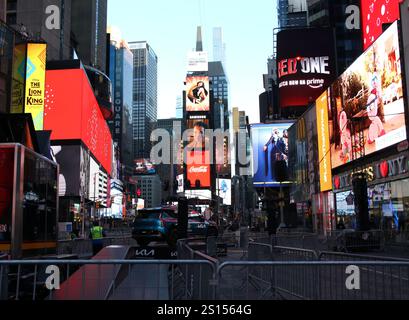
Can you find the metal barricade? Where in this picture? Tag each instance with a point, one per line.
(111, 280)
(314, 280)
(293, 254)
(260, 252)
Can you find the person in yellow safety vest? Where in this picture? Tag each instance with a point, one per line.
(97, 235)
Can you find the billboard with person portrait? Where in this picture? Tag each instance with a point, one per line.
(367, 101)
(197, 94)
(270, 154)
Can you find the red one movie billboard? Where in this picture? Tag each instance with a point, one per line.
(306, 64)
(376, 13)
(72, 113)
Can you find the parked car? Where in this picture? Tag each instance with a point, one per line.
(160, 224)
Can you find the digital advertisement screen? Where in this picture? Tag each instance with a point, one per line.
(19, 78)
(368, 99)
(224, 190)
(76, 116)
(305, 63)
(270, 147)
(376, 13)
(69, 158)
(181, 183)
(324, 150)
(197, 139)
(35, 83)
(198, 169)
(6, 193)
(144, 167)
(197, 94)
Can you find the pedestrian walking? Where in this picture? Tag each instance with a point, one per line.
(97, 235)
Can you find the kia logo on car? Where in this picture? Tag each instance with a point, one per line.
(145, 253)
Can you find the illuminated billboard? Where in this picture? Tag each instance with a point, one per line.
(144, 167)
(35, 83)
(181, 183)
(19, 78)
(376, 13)
(367, 100)
(198, 169)
(224, 190)
(270, 154)
(306, 65)
(324, 150)
(197, 94)
(197, 61)
(72, 113)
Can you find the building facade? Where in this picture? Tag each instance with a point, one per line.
(145, 97)
(3, 8)
(28, 18)
(6, 62)
(121, 74)
(168, 171)
(151, 190)
(91, 46)
(219, 85)
(334, 14)
(292, 13)
(219, 47)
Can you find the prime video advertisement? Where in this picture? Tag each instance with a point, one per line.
(270, 153)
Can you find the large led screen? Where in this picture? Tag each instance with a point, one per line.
(376, 13)
(72, 113)
(306, 65)
(270, 153)
(197, 94)
(198, 169)
(367, 101)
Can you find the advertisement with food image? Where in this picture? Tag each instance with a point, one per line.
(367, 101)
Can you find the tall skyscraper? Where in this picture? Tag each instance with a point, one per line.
(219, 47)
(327, 13)
(145, 97)
(28, 18)
(86, 16)
(219, 85)
(292, 13)
(120, 69)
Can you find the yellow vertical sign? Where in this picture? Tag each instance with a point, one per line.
(324, 150)
(18, 80)
(35, 83)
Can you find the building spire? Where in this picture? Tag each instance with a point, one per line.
(199, 41)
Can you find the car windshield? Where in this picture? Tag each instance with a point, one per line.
(148, 215)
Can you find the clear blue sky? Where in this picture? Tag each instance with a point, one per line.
(169, 26)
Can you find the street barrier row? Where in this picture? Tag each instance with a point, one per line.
(205, 280)
(82, 248)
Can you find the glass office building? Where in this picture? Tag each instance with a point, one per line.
(145, 97)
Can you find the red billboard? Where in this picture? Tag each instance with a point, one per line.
(376, 13)
(198, 169)
(72, 113)
(306, 65)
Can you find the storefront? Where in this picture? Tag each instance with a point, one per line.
(388, 194)
(310, 192)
